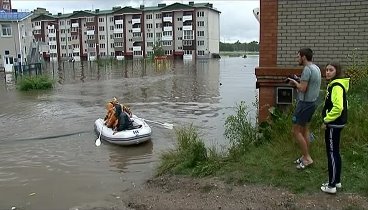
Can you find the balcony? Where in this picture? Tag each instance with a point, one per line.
(187, 28)
(168, 19)
(187, 17)
(119, 22)
(167, 28)
(52, 34)
(76, 50)
(37, 28)
(75, 25)
(137, 48)
(52, 43)
(118, 30)
(136, 30)
(90, 32)
(167, 38)
(51, 27)
(136, 20)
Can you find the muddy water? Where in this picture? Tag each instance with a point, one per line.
(48, 159)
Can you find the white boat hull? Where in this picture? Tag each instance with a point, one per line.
(126, 137)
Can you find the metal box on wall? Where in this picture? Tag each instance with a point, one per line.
(284, 95)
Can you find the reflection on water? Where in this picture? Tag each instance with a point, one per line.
(47, 137)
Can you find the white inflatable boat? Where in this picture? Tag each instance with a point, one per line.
(140, 132)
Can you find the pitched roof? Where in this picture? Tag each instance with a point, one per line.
(43, 17)
(14, 16)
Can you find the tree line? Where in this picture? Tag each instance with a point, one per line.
(238, 46)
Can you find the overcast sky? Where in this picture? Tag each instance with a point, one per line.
(237, 21)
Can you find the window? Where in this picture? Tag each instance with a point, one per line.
(118, 35)
(119, 26)
(149, 25)
(158, 25)
(137, 34)
(180, 19)
(111, 28)
(149, 35)
(159, 35)
(102, 46)
(200, 33)
(167, 33)
(90, 19)
(188, 35)
(149, 44)
(62, 22)
(200, 23)
(137, 52)
(158, 16)
(101, 28)
(149, 16)
(200, 52)
(200, 14)
(102, 37)
(111, 19)
(200, 43)
(6, 30)
(166, 43)
(101, 20)
(112, 45)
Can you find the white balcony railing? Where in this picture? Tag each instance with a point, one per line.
(118, 30)
(136, 20)
(136, 30)
(187, 17)
(91, 32)
(168, 19)
(75, 25)
(75, 50)
(53, 50)
(137, 48)
(168, 28)
(37, 28)
(50, 27)
(52, 43)
(119, 21)
(52, 34)
(167, 38)
(187, 28)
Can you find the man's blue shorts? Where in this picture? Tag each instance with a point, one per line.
(303, 112)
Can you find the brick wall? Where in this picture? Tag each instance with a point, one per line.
(332, 28)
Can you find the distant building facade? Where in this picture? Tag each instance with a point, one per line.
(185, 31)
(5, 5)
(15, 38)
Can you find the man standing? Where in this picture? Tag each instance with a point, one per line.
(308, 92)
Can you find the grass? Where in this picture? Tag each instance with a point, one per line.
(38, 82)
(264, 153)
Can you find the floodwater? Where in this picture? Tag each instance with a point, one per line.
(48, 157)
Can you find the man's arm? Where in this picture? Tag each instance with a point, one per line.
(302, 86)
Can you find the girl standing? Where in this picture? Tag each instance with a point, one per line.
(334, 116)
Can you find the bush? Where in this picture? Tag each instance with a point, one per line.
(38, 82)
(240, 131)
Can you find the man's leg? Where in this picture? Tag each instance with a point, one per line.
(298, 132)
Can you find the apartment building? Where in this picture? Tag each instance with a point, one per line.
(5, 5)
(15, 38)
(185, 31)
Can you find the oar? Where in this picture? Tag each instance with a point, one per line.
(98, 140)
(165, 125)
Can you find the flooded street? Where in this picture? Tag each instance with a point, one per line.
(48, 157)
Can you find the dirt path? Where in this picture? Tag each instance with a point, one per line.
(175, 192)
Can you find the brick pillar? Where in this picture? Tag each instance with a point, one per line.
(267, 57)
(268, 33)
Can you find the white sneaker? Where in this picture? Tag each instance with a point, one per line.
(338, 185)
(327, 189)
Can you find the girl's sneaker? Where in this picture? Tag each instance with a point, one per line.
(327, 189)
(338, 185)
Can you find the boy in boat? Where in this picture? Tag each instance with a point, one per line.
(123, 121)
